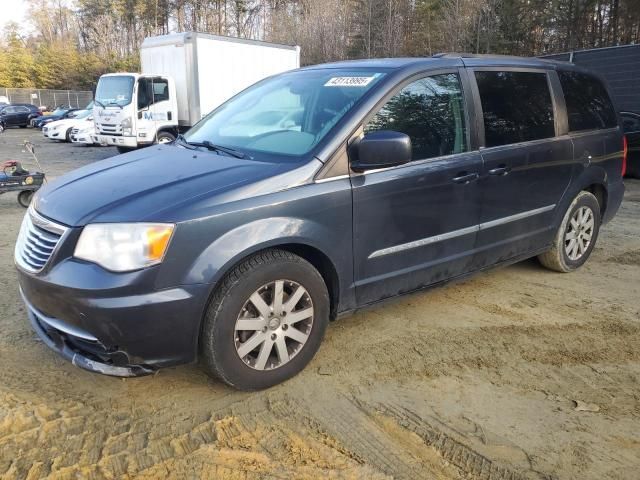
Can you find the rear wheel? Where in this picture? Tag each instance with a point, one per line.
(265, 322)
(1, 127)
(576, 237)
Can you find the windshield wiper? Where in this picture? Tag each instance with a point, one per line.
(99, 103)
(115, 103)
(211, 146)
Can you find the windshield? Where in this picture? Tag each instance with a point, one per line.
(115, 90)
(287, 114)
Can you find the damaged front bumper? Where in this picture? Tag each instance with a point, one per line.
(82, 349)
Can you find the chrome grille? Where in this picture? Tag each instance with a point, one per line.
(37, 240)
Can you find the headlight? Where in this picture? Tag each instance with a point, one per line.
(126, 127)
(123, 247)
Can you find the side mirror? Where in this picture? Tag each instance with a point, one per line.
(381, 149)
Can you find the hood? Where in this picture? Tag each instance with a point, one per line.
(163, 183)
(65, 123)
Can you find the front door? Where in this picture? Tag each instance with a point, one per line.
(154, 107)
(526, 166)
(416, 224)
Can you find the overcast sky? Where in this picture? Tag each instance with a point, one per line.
(12, 10)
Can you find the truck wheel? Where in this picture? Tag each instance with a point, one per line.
(24, 198)
(576, 237)
(165, 137)
(265, 322)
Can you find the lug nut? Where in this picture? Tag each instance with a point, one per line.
(273, 336)
(285, 326)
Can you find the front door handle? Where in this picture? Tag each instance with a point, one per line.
(465, 177)
(501, 170)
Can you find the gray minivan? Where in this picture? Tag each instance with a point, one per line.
(310, 195)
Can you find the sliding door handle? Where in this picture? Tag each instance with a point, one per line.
(501, 170)
(465, 177)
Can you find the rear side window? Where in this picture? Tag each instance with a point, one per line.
(431, 112)
(588, 104)
(516, 106)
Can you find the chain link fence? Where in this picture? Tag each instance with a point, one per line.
(43, 97)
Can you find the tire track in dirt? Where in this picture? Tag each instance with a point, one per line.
(245, 440)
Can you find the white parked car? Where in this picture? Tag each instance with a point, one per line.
(61, 129)
(85, 134)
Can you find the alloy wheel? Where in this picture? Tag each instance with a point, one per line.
(579, 233)
(273, 325)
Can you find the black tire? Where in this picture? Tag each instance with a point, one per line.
(1, 127)
(125, 149)
(218, 336)
(24, 198)
(557, 258)
(67, 136)
(165, 137)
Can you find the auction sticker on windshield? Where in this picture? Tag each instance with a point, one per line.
(349, 81)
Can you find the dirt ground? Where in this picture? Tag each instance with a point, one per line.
(519, 373)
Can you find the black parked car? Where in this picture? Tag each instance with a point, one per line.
(310, 195)
(18, 114)
(57, 114)
(631, 126)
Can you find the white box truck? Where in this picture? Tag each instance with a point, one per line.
(184, 77)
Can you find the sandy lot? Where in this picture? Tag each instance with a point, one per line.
(519, 373)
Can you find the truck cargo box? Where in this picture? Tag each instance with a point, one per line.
(209, 69)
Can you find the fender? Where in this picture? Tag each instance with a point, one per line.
(237, 244)
(592, 175)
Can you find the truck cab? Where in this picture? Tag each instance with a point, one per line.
(133, 110)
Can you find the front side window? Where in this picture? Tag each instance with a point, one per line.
(588, 104)
(516, 107)
(431, 112)
(288, 114)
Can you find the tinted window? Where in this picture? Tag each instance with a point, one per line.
(630, 122)
(21, 109)
(516, 107)
(588, 104)
(431, 112)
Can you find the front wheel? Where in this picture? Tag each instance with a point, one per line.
(24, 198)
(265, 322)
(165, 137)
(576, 237)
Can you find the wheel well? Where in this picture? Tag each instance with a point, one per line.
(600, 193)
(326, 268)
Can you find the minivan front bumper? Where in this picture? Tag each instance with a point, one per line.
(111, 331)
